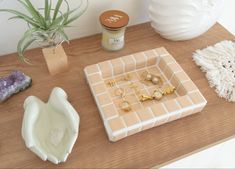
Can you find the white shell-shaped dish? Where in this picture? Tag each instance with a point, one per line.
(183, 19)
(50, 129)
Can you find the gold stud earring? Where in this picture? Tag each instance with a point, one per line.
(154, 79)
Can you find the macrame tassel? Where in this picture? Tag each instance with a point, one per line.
(218, 62)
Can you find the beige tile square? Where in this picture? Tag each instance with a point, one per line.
(104, 99)
(175, 67)
(175, 81)
(161, 51)
(147, 103)
(162, 64)
(184, 101)
(134, 108)
(106, 69)
(118, 66)
(94, 78)
(140, 72)
(129, 63)
(132, 99)
(145, 114)
(116, 124)
(120, 79)
(99, 88)
(168, 59)
(189, 86)
(109, 111)
(140, 59)
(197, 98)
(146, 117)
(171, 96)
(112, 92)
(133, 123)
(126, 88)
(134, 76)
(182, 76)
(154, 70)
(151, 57)
(171, 106)
(168, 72)
(117, 102)
(158, 110)
(139, 85)
(181, 90)
(92, 69)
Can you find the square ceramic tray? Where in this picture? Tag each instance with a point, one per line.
(186, 100)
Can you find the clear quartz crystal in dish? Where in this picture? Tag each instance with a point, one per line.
(114, 23)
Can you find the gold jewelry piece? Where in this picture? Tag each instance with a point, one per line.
(127, 77)
(144, 98)
(112, 83)
(169, 90)
(157, 94)
(120, 92)
(124, 105)
(154, 79)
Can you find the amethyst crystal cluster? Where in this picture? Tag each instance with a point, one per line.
(14, 83)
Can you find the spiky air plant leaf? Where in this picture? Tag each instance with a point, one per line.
(47, 24)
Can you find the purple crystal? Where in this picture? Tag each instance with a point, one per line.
(14, 83)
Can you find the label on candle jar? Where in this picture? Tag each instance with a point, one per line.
(116, 41)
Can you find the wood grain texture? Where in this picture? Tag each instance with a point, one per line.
(92, 149)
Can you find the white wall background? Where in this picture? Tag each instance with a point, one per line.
(88, 24)
(227, 18)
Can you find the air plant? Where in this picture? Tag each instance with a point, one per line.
(46, 25)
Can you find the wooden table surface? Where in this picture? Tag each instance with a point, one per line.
(92, 149)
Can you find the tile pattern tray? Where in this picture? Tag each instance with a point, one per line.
(185, 101)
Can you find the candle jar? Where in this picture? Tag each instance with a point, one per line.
(114, 24)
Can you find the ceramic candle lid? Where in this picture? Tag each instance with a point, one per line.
(114, 19)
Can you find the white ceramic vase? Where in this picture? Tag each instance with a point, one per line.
(50, 129)
(183, 19)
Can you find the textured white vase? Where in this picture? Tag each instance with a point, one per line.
(50, 129)
(183, 19)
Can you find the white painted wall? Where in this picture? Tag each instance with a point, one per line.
(227, 18)
(88, 24)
